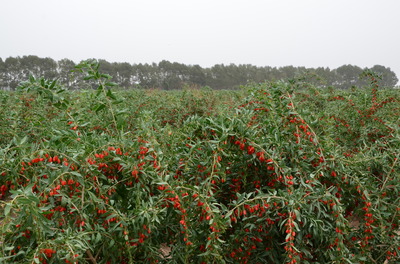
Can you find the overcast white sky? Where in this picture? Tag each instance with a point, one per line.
(311, 33)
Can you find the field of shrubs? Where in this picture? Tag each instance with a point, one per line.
(280, 172)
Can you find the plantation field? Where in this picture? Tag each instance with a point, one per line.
(280, 172)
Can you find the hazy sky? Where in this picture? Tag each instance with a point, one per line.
(311, 33)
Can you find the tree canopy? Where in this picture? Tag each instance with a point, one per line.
(173, 75)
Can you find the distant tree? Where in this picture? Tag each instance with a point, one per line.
(223, 77)
(107, 67)
(110, 69)
(13, 74)
(2, 74)
(30, 65)
(217, 76)
(48, 68)
(172, 75)
(276, 74)
(123, 74)
(262, 74)
(197, 75)
(238, 74)
(39, 67)
(389, 78)
(347, 76)
(324, 76)
(288, 72)
(147, 75)
(65, 75)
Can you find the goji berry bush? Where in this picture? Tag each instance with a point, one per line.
(281, 172)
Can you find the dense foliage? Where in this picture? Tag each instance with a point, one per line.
(169, 76)
(278, 172)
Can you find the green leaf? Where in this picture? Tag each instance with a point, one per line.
(298, 215)
(23, 140)
(111, 95)
(99, 90)
(99, 107)
(110, 216)
(53, 84)
(110, 84)
(98, 238)
(88, 78)
(106, 76)
(112, 242)
(7, 209)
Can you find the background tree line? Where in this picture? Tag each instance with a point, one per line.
(172, 75)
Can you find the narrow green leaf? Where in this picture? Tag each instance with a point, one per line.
(98, 238)
(110, 84)
(53, 84)
(100, 107)
(7, 209)
(88, 78)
